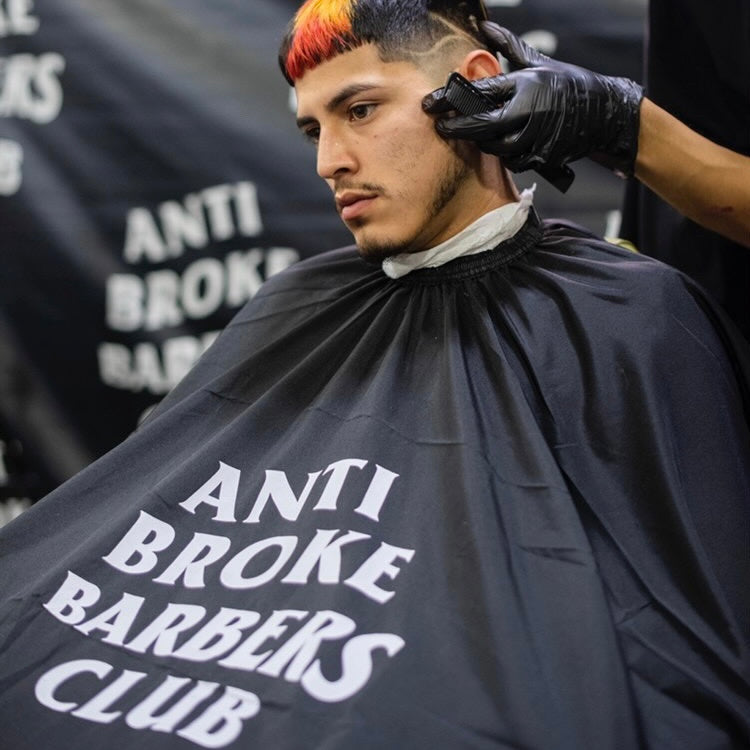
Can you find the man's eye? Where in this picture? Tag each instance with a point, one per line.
(360, 111)
(312, 135)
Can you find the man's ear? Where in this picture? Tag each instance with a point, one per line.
(479, 63)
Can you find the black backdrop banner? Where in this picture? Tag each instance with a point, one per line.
(151, 178)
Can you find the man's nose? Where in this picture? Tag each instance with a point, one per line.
(335, 155)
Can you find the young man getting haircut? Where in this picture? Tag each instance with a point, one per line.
(478, 481)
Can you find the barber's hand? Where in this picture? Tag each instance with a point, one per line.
(549, 113)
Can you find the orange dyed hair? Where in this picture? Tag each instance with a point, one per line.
(320, 30)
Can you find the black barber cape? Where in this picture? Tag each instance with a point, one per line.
(498, 504)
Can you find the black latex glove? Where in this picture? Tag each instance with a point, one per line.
(549, 113)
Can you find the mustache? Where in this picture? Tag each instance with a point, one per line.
(359, 187)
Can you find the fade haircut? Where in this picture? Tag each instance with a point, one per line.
(417, 31)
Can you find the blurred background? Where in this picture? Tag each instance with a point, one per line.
(151, 177)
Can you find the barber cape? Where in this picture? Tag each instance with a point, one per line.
(500, 503)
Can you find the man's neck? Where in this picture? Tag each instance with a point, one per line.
(492, 188)
(485, 233)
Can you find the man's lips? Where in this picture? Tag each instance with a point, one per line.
(352, 205)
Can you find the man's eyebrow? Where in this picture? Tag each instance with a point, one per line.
(345, 93)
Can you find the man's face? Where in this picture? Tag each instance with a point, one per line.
(398, 186)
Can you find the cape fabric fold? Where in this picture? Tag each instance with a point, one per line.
(502, 503)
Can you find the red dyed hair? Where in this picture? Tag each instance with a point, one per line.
(321, 29)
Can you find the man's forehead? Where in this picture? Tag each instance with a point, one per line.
(357, 69)
(341, 67)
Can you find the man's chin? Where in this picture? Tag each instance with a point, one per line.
(376, 254)
(376, 250)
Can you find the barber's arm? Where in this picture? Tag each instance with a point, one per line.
(706, 182)
(551, 113)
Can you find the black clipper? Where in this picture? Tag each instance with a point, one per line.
(469, 100)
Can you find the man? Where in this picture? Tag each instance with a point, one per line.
(404, 194)
(455, 495)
